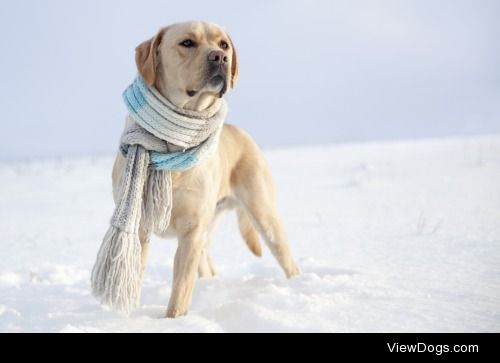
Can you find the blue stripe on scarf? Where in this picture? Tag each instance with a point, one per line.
(173, 161)
(134, 96)
(135, 99)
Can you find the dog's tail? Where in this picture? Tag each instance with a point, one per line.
(249, 233)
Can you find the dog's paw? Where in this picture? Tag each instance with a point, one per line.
(292, 271)
(174, 313)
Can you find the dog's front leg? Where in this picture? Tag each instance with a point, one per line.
(187, 260)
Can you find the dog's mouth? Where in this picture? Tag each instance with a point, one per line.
(214, 82)
(219, 83)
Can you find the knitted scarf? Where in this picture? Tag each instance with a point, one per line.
(159, 138)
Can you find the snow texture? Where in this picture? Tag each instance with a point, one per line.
(401, 236)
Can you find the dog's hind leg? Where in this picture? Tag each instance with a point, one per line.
(271, 230)
(248, 232)
(206, 266)
(256, 193)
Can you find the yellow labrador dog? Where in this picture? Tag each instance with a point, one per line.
(192, 64)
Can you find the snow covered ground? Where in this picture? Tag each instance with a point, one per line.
(401, 236)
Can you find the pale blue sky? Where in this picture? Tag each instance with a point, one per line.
(312, 72)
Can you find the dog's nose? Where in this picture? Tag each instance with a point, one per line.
(217, 56)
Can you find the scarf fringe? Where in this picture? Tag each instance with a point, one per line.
(116, 276)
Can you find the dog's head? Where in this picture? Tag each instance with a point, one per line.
(191, 64)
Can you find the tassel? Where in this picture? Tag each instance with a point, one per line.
(116, 276)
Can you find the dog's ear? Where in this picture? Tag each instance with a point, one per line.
(235, 68)
(145, 57)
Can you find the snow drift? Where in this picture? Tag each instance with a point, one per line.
(401, 236)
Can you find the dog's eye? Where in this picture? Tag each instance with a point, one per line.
(223, 44)
(188, 43)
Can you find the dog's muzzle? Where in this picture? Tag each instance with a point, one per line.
(218, 64)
